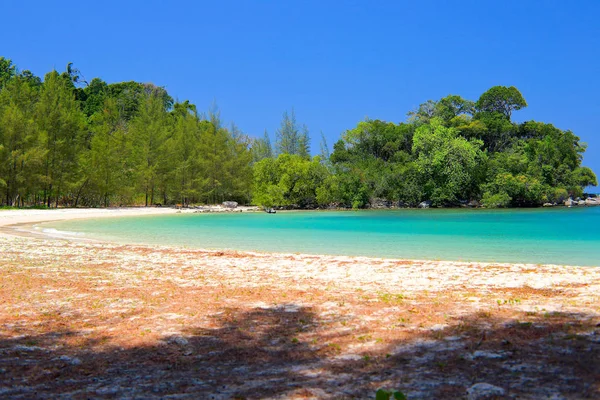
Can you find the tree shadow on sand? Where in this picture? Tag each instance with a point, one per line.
(291, 352)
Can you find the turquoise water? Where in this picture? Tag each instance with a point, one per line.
(557, 236)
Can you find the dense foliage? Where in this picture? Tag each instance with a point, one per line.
(64, 141)
(454, 151)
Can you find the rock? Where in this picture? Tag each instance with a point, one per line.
(380, 203)
(425, 204)
(548, 205)
(581, 203)
(570, 203)
(230, 204)
(485, 354)
(179, 340)
(108, 390)
(69, 360)
(591, 201)
(483, 391)
(439, 327)
(473, 203)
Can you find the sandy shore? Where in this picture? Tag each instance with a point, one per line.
(92, 319)
(12, 222)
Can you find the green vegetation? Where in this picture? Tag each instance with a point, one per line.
(67, 142)
(383, 394)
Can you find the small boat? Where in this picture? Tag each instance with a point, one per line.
(270, 211)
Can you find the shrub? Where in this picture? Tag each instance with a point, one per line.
(496, 200)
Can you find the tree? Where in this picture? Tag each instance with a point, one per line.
(303, 149)
(519, 190)
(105, 163)
(452, 106)
(288, 180)
(238, 178)
(95, 95)
(324, 148)
(62, 126)
(447, 163)
(7, 71)
(501, 99)
(149, 131)
(21, 155)
(261, 148)
(423, 113)
(290, 138)
(184, 150)
(287, 136)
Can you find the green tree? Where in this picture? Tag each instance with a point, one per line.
(106, 162)
(261, 148)
(21, 153)
(501, 99)
(149, 130)
(62, 126)
(288, 180)
(324, 148)
(452, 106)
(290, 138)
(7, 71)
(447, 163)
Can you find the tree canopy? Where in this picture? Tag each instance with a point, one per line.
(68, 142)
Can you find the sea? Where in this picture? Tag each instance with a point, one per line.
(566, 236)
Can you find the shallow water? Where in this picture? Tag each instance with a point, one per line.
(556, 236)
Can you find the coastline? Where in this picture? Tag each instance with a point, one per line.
(9, 219)
(293, 325)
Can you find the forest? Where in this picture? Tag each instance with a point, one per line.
(66, 142)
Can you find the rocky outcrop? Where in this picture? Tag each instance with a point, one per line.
(592, 201)
(230, 204)
(570, 202)
(379, 203)
(425, 204)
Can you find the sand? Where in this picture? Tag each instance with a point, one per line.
(94, 319)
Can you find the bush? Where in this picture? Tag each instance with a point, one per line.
(558, 195)
(496, 200)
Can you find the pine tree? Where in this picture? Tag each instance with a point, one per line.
(261, 148)
(287, 136)
(21, 155)
(324, 148)
(61, 123)
(105, 162)
(149, 132)
(303, 149)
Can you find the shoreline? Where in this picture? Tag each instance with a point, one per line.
(22, 223)
(11, 220)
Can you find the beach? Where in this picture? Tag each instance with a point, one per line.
(85, 318)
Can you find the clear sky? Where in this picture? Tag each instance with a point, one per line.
(335, 62)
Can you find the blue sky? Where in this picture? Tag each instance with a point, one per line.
(335, 62)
